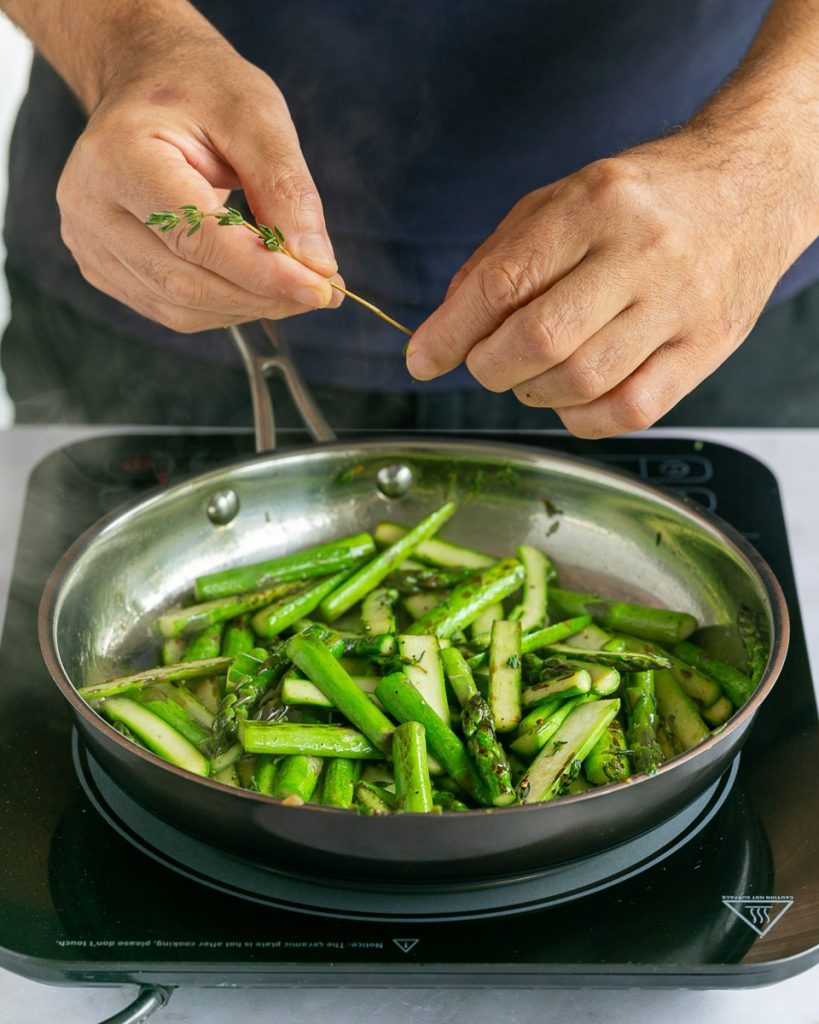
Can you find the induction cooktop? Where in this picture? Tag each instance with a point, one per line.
(93, 890)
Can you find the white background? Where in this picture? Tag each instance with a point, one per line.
(15, 58)
(23, 1002)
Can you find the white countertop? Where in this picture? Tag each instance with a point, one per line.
(793, 455)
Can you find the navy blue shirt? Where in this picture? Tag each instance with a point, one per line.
(422, 123)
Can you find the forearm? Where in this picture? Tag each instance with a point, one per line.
(764, 122)
(94, 44)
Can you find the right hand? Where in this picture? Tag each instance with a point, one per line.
(173, 132)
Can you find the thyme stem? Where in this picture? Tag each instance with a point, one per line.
(272, 238)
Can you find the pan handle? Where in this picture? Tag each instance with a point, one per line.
(263, 353)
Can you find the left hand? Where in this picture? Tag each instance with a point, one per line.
(610, 294)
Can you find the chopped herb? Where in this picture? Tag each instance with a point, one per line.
(551, 508)
(347, 475)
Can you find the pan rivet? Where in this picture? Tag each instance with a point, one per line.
(223, 507)
(394, 481)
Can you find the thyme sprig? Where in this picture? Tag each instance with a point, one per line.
(271, 238)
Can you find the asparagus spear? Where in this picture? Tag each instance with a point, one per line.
(559, 679)
(468, 600)
(297, 777)
(297, 690)
(538, 714)
(338, 786)
(305, 738)
(156, 734)
(718, 712)
(531, 612)
(158, 674)
(528, 743)
(504, 675)
(458, 674)
(540, 638)
(735, 684)
(178, 719)
(378, 611)
(641, 715)
(173, 651)
(753, 632)
(421, 664)
(413, 789)
(406, 704)
(238, 637)
(443, 801)
(435, 552)
(692, 682)
(559, 761)
(319, 665)
(199, 617)
(487, 754)
(660, 624)
(481, 628)
(417, 580)
(374, 571)
(417, 605)
(679, 712)
(182, 696)
(593, 638)
(623, 661)
(370, 799)
(316, 561)
(277, 617)
(607, 760)
(265, 777)
(206, 644)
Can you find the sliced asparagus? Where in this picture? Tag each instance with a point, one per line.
(504, 675)
(559, 761)
(435, 552)
(531, 612)
(378, 611)
(421, 664)
(156, 734)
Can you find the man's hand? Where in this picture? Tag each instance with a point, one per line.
(179, 117)
(610, 294)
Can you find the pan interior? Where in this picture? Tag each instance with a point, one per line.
(604, 533)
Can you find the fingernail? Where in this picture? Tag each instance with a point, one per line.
(419, 365)
(316, 248)
(314, 297)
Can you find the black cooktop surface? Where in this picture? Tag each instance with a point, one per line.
(734, 904)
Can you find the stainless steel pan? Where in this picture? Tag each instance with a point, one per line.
(614, 533)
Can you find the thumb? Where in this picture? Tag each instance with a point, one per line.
(280, 189)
